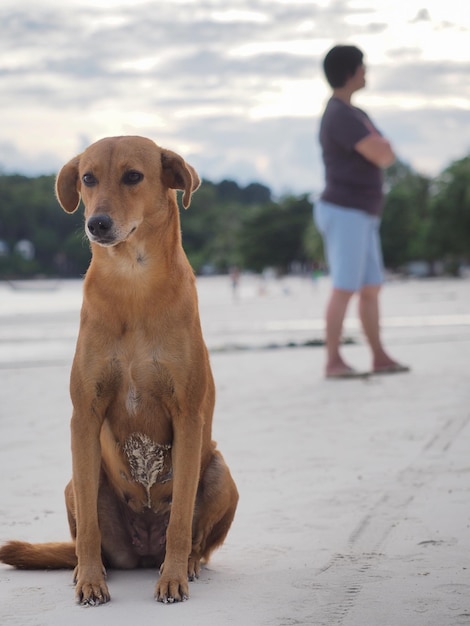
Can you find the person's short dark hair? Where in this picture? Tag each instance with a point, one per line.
(341, 63)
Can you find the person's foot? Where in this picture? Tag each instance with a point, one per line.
(344, 371)
(382, 363)
(391, 367)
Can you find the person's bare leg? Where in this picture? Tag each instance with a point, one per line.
(335, 313)
(370, 319)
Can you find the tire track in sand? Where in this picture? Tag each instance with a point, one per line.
(340, 582)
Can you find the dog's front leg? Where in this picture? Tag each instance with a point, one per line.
(186, 459)
(89, 575)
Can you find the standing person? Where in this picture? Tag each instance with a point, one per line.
(348, 212)
(235, 280)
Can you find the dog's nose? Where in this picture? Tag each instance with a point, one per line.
(99, 225)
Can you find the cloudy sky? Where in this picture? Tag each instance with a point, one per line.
(235, 86)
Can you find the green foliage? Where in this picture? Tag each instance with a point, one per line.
(29, 211)
(273, 234)
(449, 229)
(313, 245)
(405, 216)
(229, 225)
(211, 226)
(427, 220)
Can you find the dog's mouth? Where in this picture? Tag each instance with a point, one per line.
(102, 231)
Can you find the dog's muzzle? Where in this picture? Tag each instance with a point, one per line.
(100, 229)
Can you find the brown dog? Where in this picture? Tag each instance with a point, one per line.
(148, 488)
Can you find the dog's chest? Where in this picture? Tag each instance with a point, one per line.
(132, 399)
(139, 416)
(143, 383)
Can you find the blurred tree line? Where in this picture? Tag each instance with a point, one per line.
(228, 225)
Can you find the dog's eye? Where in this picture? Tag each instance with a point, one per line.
(89, 180)
(132, 177)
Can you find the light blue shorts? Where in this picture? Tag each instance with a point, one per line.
(352, 245)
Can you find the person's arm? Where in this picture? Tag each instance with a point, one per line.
(376, 149)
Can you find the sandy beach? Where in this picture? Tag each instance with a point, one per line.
(354, 495)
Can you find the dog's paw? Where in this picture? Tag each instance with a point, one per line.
(90, 586)
(194, 567)
(172, 587)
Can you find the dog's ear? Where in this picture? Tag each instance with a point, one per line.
(177, 174)
(66, 186)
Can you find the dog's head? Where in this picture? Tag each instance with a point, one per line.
(123, 182)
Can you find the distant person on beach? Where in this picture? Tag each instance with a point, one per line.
(348, 211)
(235, 280)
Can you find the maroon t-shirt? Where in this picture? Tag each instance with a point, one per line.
(351, 180)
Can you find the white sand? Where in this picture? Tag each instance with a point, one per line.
(354, 495)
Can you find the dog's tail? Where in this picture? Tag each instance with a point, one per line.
(22, 555)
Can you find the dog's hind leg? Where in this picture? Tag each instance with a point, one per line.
(70, 507)
(216, 504)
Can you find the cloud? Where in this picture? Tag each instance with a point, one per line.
(415, 135)
(14, 161)
(236, 86)
(104, 56)
(433, 78)
(422, 16)
(287, 155)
